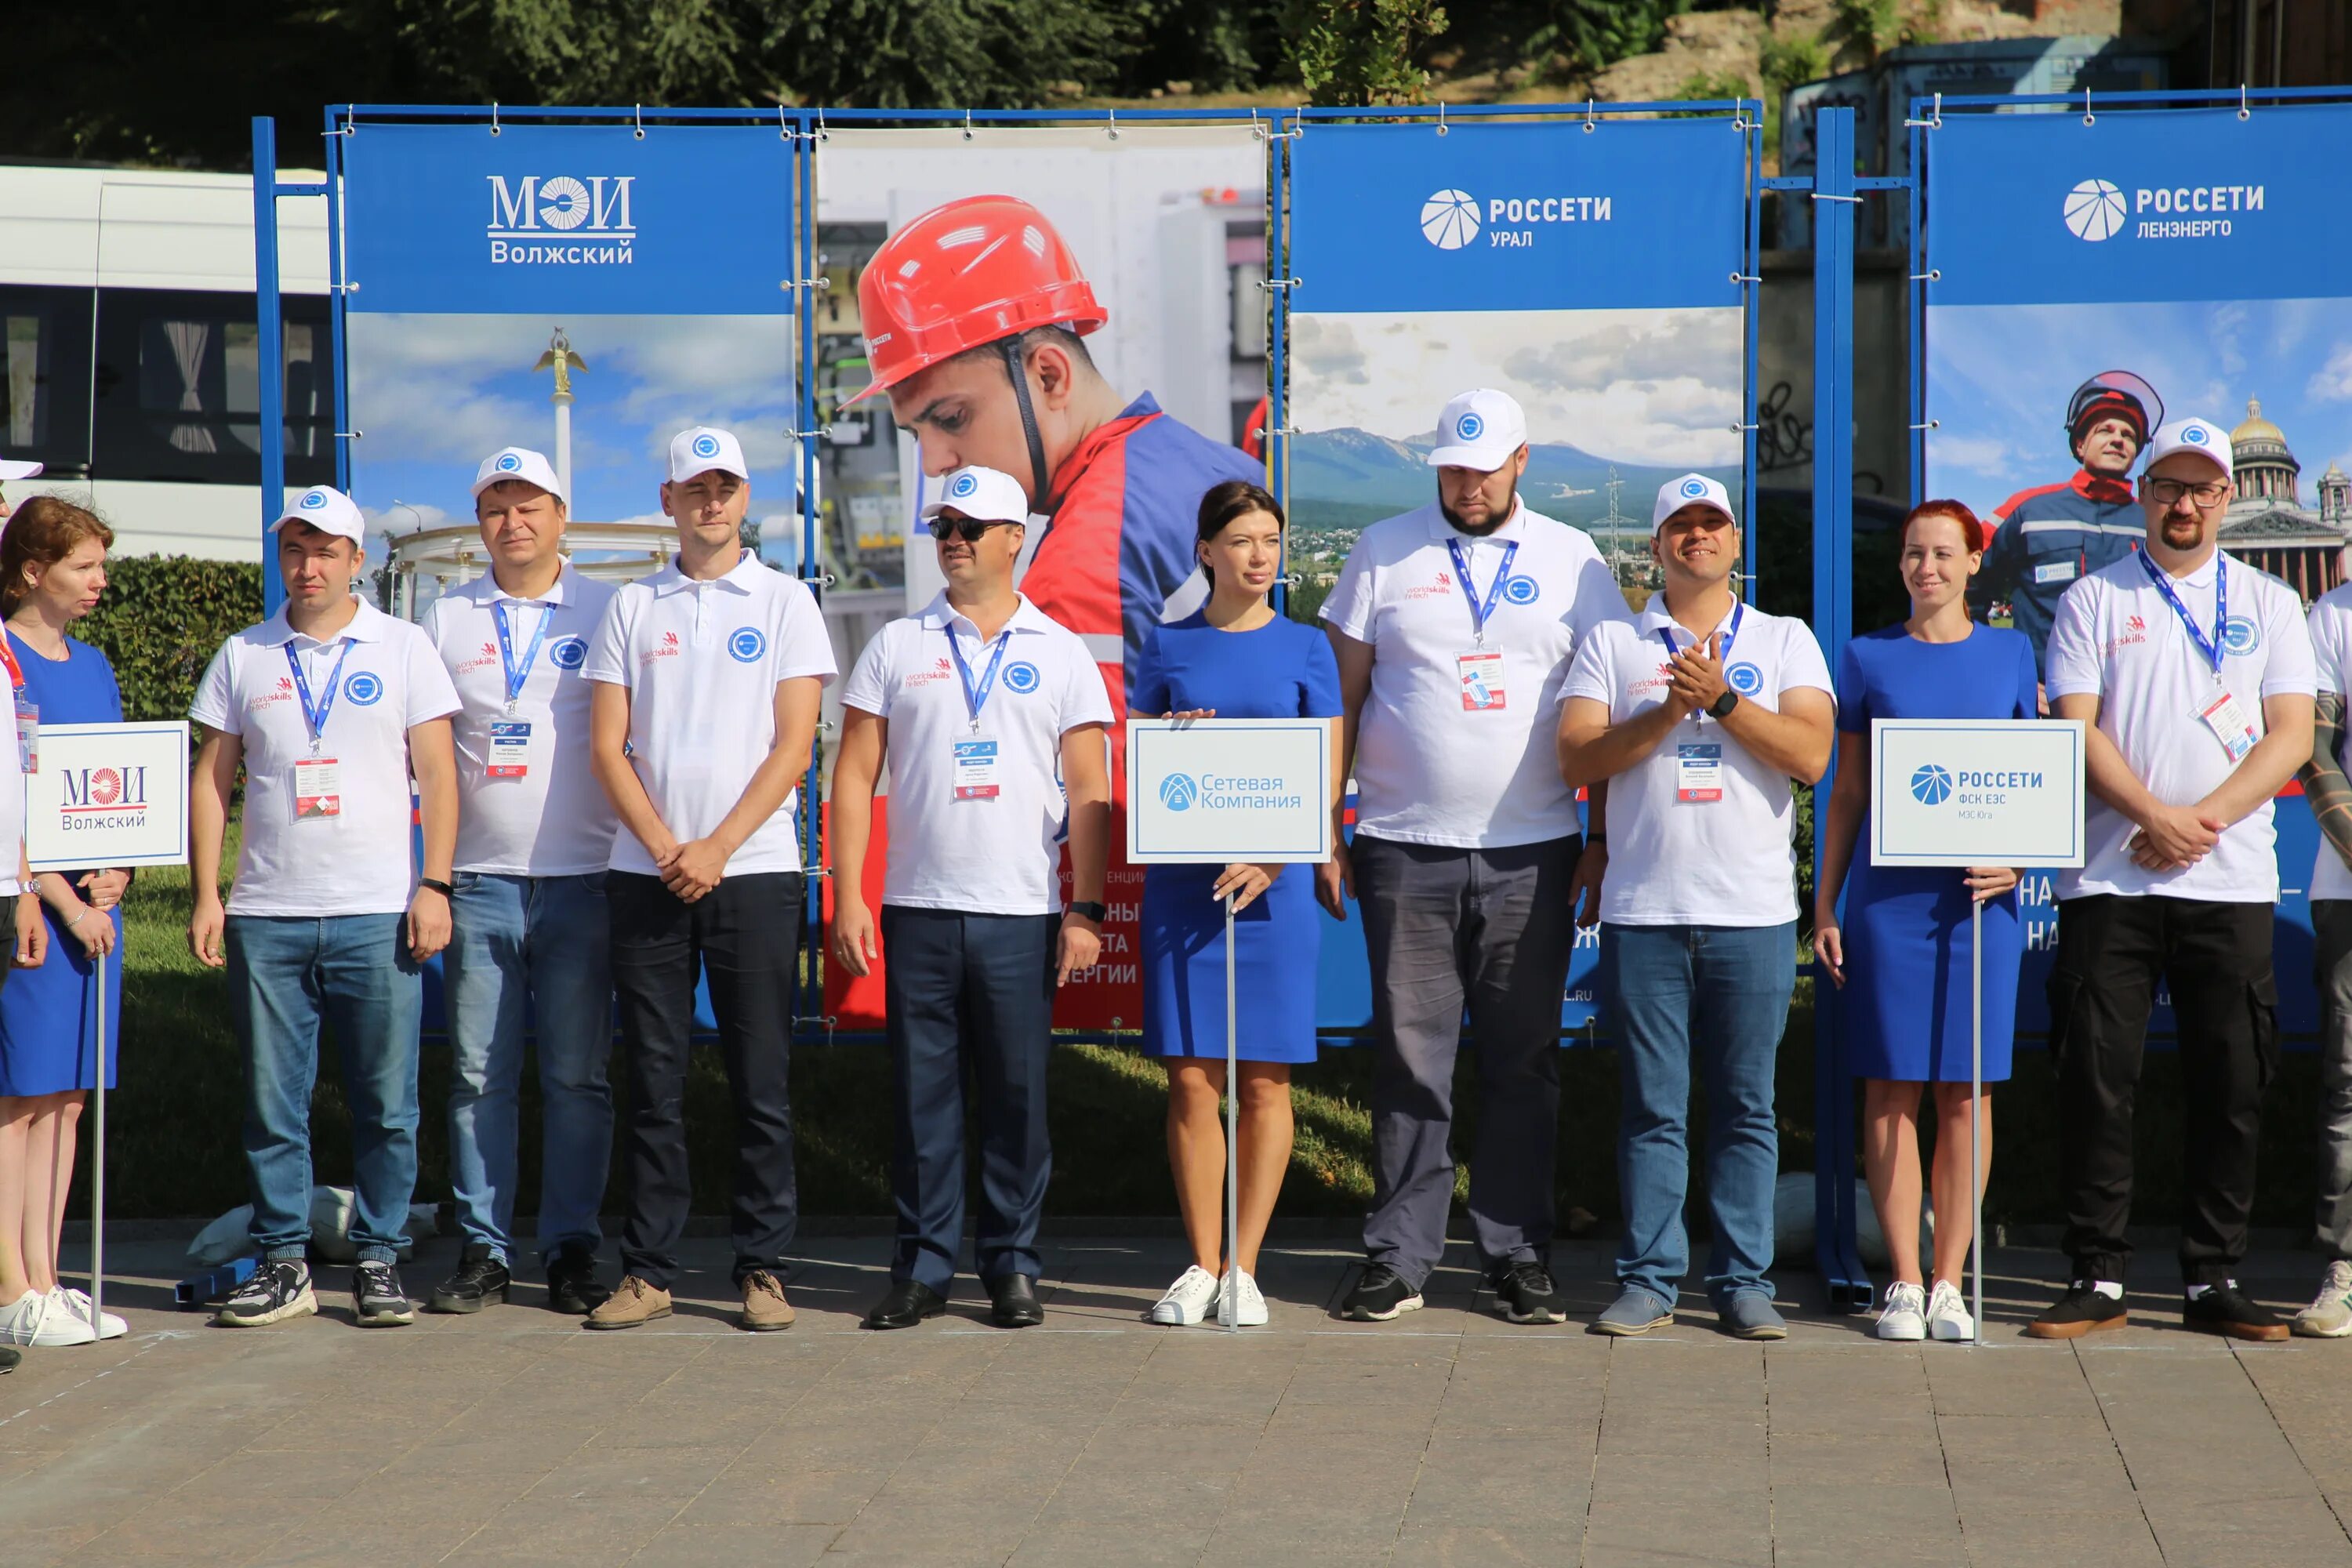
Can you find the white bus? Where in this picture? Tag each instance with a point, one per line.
(131, 363)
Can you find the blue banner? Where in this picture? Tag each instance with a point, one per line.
(569, 219)
(1544, 216)
(2179, 205)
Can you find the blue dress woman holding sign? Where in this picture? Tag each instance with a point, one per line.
(52, 571)
(1902, 954)
(1234, 659)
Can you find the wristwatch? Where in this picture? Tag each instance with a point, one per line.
(1723, 704)
(1088, 908)
(438, 886)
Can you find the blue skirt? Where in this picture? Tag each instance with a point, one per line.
(1908, 1012)
(48, 1018)
(1276, 942)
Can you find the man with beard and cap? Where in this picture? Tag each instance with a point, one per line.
(2049, 538)
(1454, 626)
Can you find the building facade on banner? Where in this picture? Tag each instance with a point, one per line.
(2268, 527)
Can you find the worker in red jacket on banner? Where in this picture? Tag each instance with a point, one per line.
(975, 317)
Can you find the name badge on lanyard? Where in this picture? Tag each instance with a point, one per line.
(2223, 717)
(1481, 669)
(974, 761)
(975, 770)
(28, 713)
(510, 755)
(317, 778)
(1699, 771)
(2230, 726)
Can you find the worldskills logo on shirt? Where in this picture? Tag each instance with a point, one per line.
(281, 692)
(667, 649)
(2096, 210)
(1437, 590)
(482, 660)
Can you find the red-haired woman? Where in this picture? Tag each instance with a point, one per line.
(1901, 953)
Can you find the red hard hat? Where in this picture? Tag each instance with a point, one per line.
(969, 272)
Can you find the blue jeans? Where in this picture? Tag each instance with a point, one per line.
(286, 976)
(541, 940)
(1718, 996)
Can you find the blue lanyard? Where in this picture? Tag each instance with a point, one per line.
(515, 678)
(1481, 609)
(315, 716)
(2210, 647)
(1666, 635)
(976, 697)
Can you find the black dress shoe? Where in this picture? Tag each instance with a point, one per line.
(481, 1280)
(571, 1287)
(909, 1303)
(1014, 1303)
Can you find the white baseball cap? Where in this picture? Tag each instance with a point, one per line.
(9, 470)
(703, 449)
(328, 510)
(1479, 430)
(1691, 490)
(2202, 437)
(984, 495)
(518, 463)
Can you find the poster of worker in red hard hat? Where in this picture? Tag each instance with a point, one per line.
(1086, 320)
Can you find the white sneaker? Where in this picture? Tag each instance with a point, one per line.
(1188, 1300)
(78, 1303)
(1905, 1316)
(1249, 1302)
(1947, 1313)
(37, 1320)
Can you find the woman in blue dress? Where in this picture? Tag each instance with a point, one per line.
(1234, 659)
(52, 571)
(1903, 952)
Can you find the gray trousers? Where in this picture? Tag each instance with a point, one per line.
(2331, 963)
(1491, 927)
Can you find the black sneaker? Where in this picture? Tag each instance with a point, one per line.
(277, 1292)
(377, 1296)
(1379, 1295)
(481, 1280)
(2082, 1309)
(2226, 1310)
(9, 1356)
(1526, 1294)
(571, 1287)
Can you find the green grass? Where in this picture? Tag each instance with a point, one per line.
(173, 1121)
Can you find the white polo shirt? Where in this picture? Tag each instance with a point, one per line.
(702, 662)
(977, 814)
(1730, 861)
(530, 803)
(357, 862)
(2330, 623)
(2117, 639)
(1456, 745)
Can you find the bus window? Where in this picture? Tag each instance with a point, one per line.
(44, 378)
(179, 384)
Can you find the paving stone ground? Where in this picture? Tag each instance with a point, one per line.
(1449, 1436)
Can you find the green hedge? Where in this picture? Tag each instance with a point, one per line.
(162, 619)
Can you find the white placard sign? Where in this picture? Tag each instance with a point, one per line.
(1976, 792)
(1207, 791)
(108, 795)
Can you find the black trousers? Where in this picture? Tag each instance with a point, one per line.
(969, 996)
(2216, 959)
(744, 935)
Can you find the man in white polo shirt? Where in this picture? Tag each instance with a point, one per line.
(986, 709)
(2194, 675)
(1454, 626)
(1698, 716)
(330, 705)
(534, 837)
(706, 680)
(2328, 790)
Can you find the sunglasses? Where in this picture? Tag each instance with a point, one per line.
(967, 529)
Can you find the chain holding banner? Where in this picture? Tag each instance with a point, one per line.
(2199, 252)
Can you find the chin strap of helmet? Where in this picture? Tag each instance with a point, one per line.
(1016, 367)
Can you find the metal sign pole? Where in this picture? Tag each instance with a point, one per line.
(97, 1158)
(1976, 1111)
(1230, 1307)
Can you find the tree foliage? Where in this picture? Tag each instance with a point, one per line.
(162, 619)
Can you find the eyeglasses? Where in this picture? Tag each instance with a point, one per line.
(2167, 492)
(967, 529)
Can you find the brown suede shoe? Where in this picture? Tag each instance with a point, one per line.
(634, 1302)
(764, 1307)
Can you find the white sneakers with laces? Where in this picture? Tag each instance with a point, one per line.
(1905, 1316)
(1188, 1300)
(1947, 1313)
(43, 1319)
(1249, 1301)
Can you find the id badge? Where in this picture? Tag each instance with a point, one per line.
(29, 735)
(1698, 771)
(2228, 723)
(2056, 572)
(975, 770)
(318, 789)
(510, 749)
(1482, 680)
